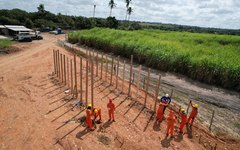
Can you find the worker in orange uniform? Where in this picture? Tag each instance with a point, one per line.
(160, 111)
(183, 116)
(97, 113)
(170, 123)
(89, 116)
(193, 113)
(111, 109)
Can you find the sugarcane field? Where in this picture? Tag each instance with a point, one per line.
(123, 74)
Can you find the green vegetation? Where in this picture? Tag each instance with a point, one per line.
(4, 43)
(194, 29)
(209, 58)
(42, 19)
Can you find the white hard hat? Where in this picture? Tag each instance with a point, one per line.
(167, 95)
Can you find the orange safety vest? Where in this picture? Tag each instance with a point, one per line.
(89, 114)
(111, 107)
(194, 112)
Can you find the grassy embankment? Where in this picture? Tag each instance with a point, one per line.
(5, 43)
(209, 58)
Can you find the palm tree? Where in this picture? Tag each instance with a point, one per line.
(111, 4)
(41, 8)
(127, 5)
(129, 11)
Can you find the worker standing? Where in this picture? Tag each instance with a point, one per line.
(97, 113)
(160, 111)
(111, 109)
(170, 123)
(183, 116)
(166, 100)
(193, 113)
(89, 116)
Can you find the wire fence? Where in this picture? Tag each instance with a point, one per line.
(143, 86)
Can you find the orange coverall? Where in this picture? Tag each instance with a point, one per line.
(160, 111)
(111, 109)
(170, 123)
(192, 115)
(183, 121)
(98, 114)
(88, 118)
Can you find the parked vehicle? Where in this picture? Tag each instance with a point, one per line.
(56, 32)
(28, 36)
(36, 35)
(23, 37)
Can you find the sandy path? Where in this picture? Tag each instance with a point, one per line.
(33, 111)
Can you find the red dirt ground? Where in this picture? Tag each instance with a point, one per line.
(33, 111)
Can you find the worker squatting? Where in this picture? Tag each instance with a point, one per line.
(93, 113)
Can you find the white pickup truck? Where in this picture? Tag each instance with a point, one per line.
(28, 36)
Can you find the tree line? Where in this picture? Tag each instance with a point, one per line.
(42, 19)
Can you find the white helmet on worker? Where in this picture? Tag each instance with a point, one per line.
(167, 95)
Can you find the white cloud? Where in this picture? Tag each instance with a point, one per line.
(205, 13)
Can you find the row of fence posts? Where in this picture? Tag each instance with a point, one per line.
(62, 68)
(63, 75)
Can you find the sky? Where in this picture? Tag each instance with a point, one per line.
(203, 13)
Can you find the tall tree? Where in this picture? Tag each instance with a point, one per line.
(127, 5)
(111, 4)
(29, 23)
(129, 11)
(41, 8)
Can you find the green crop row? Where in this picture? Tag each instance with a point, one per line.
(209, 58)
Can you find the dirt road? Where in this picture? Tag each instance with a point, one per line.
(34, 113)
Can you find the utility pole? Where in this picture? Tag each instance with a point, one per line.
(94, 10)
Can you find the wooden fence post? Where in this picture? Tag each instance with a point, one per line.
(58, 65)
(210, 126)
(106, 68)
(124, 64)
(117, 71)
(101, 65)
(133, 78)
(92, 84)
(157, 92)
(57, 61)
(68, 72)
(81, 70)
(75, 71)
(188, 106)
(111, 71)
(130, 82)
(71, 73)
(54, 62)
(86, 95)
(139, 78)
(65, 77)
(62, 68)
(144, 82)
(97, 65)
(171, 95)
(146, 94)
